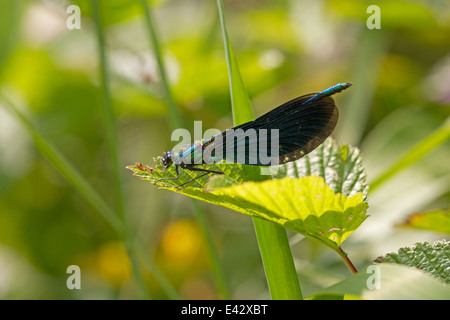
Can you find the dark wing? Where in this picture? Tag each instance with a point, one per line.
(302, 126)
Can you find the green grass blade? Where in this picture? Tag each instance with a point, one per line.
(434, 220)
(272, 239)
(9, 27)
(173, 109)
(79, 183)
(175, 118)
(216, 266)
(67, 170)
(132, 255)
(432, 258)
(278, 263)
(112, 143)
(108, 114)
(240, 102)
(151, 267)
(372, 46)
(424, 147)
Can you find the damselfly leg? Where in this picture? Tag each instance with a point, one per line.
(191, 169)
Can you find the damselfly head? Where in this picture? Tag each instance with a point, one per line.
(167, 159)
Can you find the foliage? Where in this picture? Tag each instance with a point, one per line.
(328, 212)
(431, 258)
(436, 220)
(65, 208)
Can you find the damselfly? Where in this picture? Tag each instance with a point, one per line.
(301, 125)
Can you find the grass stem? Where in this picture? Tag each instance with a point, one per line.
(273, 243)
(420, 150)
(176, 122)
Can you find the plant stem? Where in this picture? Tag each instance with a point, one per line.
(112, 144)
(79, 183)
(216, 266)
(131, 251)
(432, 141)
(176, 122)
(347, 260)
(278, 263)
(174, 111)
(272, 240)
(108, 114)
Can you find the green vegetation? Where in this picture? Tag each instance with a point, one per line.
(78, 106)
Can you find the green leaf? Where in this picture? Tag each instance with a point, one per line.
(437, 220)
(321, 196)
(340, 166)
(388, 282)
(431, 258)
(306, 205)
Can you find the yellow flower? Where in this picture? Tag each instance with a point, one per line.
(113, 263)
(181, 244)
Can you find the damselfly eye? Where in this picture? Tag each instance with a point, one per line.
(167, 159)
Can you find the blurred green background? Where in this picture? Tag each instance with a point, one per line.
(285, 48)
